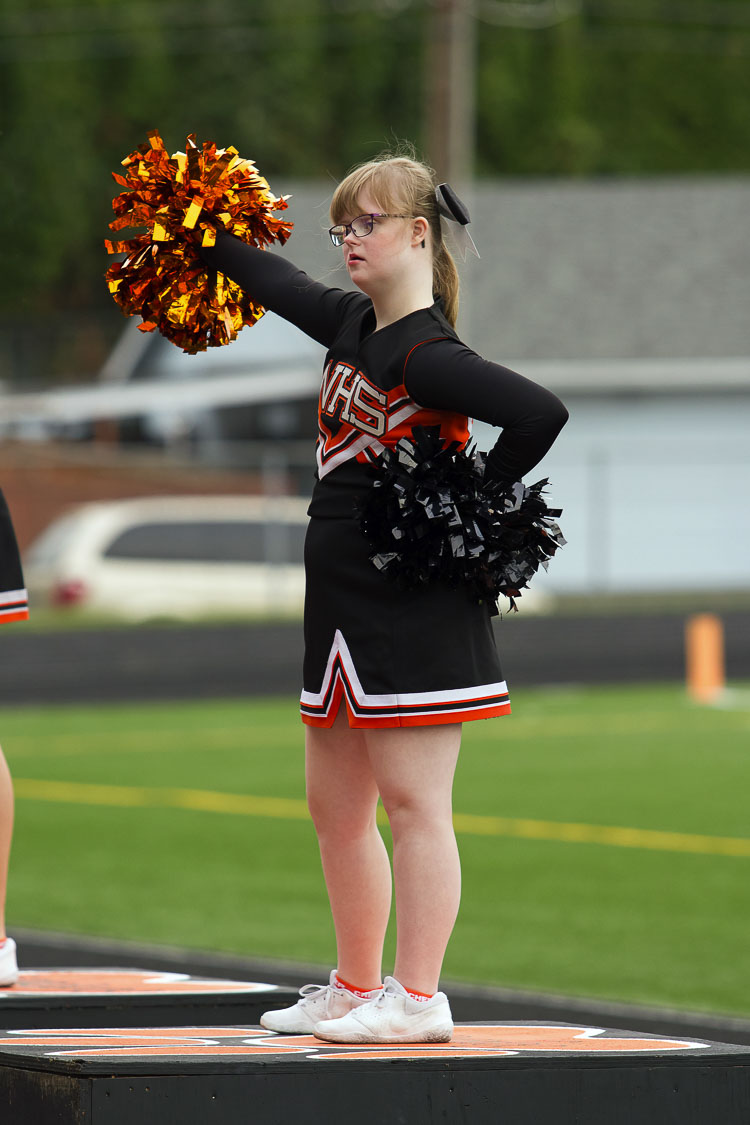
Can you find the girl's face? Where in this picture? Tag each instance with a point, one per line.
(373, 260)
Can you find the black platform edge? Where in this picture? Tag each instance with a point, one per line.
(47, 949)
(111, 996)
(693, 1084)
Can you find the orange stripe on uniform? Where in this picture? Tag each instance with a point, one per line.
(17, 615)
(432, 719)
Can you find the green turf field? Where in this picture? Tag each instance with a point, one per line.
(605, 837)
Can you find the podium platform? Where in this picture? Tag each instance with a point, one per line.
(129, 997)
(490, 1074)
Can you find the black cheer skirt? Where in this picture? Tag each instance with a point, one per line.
(396, 657)
(14, 603)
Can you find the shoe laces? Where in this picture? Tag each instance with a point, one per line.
(387, 990)
(310, 991)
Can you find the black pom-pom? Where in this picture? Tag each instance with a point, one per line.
(431, 516)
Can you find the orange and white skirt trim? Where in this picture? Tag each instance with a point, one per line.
(421, 708)
(14, 606)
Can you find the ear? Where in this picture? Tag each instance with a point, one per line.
(419, 229)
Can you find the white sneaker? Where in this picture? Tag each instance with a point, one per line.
(8, 963)
(393, 1017)
(318, 1002)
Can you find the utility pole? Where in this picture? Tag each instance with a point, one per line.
(450, 82)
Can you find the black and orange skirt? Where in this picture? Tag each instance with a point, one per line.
(393, 657)
(14, 602)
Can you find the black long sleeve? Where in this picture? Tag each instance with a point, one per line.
(280, 286)
(446, 375)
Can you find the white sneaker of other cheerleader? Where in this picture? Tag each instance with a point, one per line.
(8, 963)
(317, 1002)
(393, 1017)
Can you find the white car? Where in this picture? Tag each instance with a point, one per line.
(174, 556)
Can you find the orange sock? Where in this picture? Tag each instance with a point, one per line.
(362, 992)
(421, 996)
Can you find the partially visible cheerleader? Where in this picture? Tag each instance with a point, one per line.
(13, 607)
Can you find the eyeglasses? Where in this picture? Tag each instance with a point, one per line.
(361, 226)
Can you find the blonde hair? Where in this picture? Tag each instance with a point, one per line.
(402, 185)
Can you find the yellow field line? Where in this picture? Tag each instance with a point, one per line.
(122, 796)
(288, 808)
(648, 838)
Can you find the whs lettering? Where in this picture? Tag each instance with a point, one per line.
(346, 393)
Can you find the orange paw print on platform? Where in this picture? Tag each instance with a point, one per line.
(115, 982)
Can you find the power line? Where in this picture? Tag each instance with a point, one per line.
(142, 29)
(705, 12)
(124, 17)
(192, 31)
(530, 15)
(665, 40)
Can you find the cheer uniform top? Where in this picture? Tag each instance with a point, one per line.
(396, 657)
(14, 603)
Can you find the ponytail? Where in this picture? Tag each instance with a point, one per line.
(445, 282)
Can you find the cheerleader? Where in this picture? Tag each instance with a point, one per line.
(389, 674)
(13, 607)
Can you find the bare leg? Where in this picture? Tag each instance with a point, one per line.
(414, 769)
(342, 796)
(6, 832)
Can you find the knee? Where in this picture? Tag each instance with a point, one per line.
(409, 812)
(336, 820)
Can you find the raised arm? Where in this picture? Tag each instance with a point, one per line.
(446, 375)
(280, 286)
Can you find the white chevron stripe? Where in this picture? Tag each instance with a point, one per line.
(367, 441)
(7, 597)
(458, 696)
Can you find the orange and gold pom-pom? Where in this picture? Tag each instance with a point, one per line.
(183, 201)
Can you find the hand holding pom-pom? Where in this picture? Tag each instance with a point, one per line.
(183, 201)
(431, 516)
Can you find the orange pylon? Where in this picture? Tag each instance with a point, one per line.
(704, 657)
